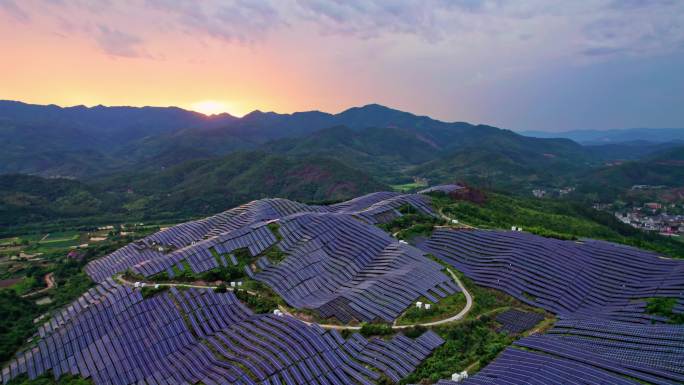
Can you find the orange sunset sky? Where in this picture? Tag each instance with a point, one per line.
(522, 65)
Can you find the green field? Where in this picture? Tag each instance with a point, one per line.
(553, 218)
(408, 187)
(446, 307)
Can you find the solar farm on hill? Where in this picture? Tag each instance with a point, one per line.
(310, 283)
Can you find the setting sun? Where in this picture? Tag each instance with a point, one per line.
(210, 107)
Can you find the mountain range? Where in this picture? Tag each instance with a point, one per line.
(156, 161)
(594, 137)
(81, 142)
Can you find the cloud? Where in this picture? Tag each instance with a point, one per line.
(374, 18)
(635, 4)
(636, 28)
(14, 11)
(118, 43)
(506, 30)
(588, 28)
(244, 21)
(602, 51)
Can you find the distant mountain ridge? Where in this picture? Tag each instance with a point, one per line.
(594, 137)
(141, 149)
(664, 169)
(83, 142)
(156, 162)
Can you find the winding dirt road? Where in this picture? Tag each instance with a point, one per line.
(49, 284)
(456, 317)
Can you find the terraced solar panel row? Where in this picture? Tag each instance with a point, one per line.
(343, 268)
(186, 337)
(515, 366)
(382, 207)
(516, 321)
(186, 235)
(372, 208)
(337, 262)
(591, 279)
(651, 353)
(256, 238)
(396, 358)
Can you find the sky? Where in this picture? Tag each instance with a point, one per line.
(548, 65)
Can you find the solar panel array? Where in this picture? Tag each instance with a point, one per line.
(382, 207)
(186, 235)
(592, 351)
(256, 238)
(396, 358)
(186, 337)
(515, 367)
(516, 321)
(347, 269)
(598, 289)
(337, 263)
(592, 279)
(192, 240)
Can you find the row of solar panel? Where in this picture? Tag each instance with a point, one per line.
(346, 269)
(199, 335)
(516, 321)
(591, 278)
(187, 234)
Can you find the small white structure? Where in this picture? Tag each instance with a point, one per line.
(454, 221)
(519, 228)
(137, 284)
(278, 312)
(156, 286)
(458, 377)
(427, 306)
(403, 242)
(232, 284)
(239, 283)
(419, 305)
(142, 284)
(513, 228)
(160, 249)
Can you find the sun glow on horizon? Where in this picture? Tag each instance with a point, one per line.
(212, 107)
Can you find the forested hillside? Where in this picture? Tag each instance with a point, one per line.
(199, 187)
(168, 162)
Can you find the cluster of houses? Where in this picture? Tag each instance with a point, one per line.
(652, 217)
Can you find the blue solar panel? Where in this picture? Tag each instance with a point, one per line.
(190, 336)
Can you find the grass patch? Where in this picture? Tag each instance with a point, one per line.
(445, 308)
(263, 301)
(559, 218)
(376, 329)
(663, 307)
(411, 223)
(471, 343)
(408, 187)
(150, 291)
(275, 229)
(465, 343)
(274, 254)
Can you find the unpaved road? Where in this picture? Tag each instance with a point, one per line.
(456, 317)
